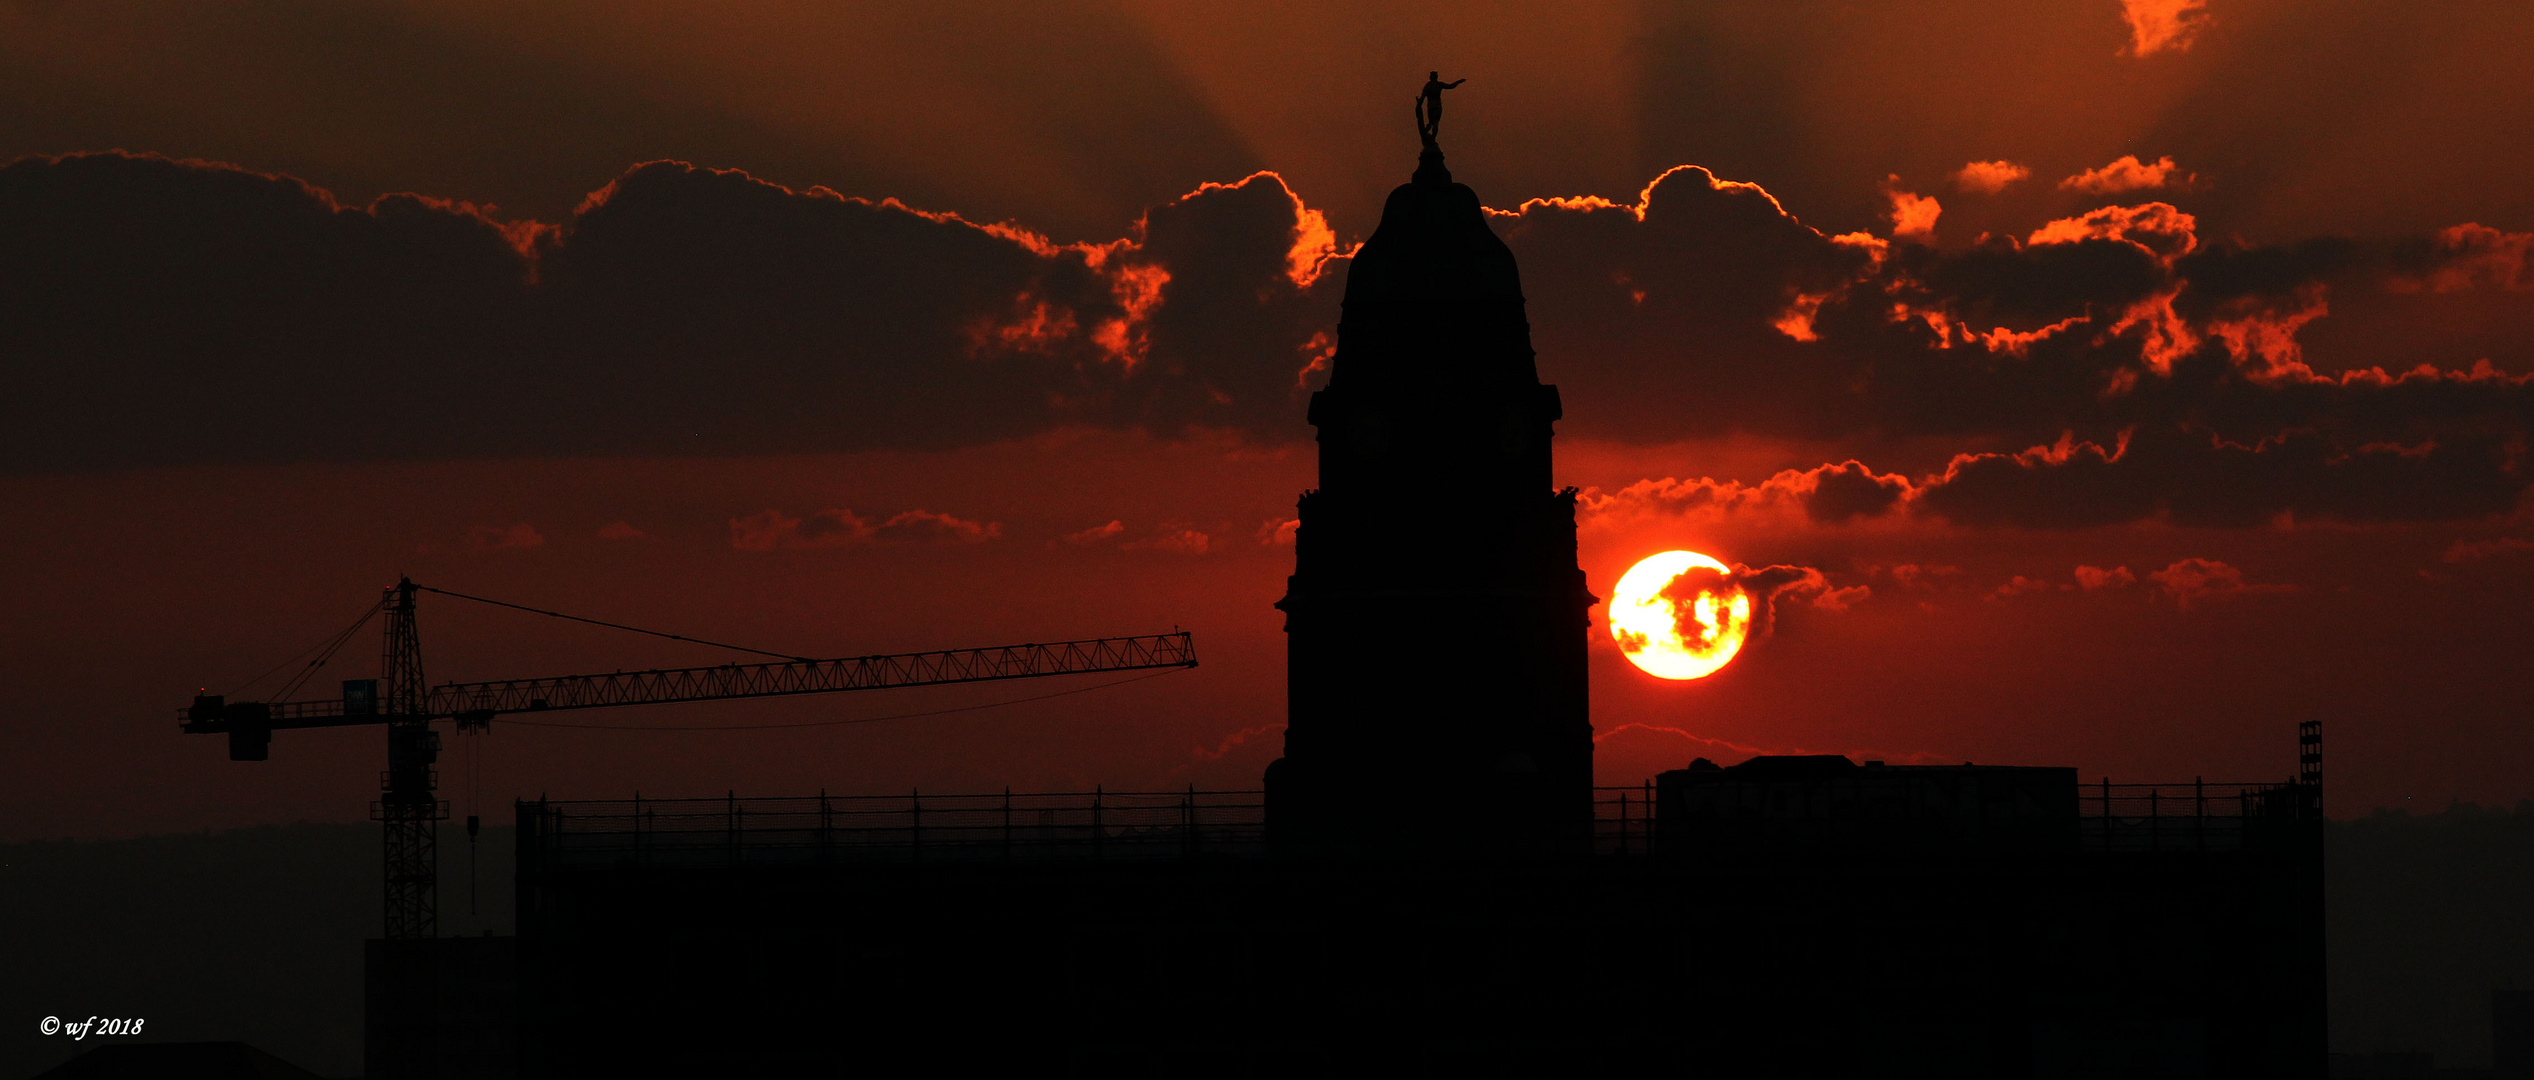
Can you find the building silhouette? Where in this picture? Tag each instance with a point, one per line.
(1435, 621)
(1429, 882)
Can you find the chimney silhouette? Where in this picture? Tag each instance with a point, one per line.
(1436, 618)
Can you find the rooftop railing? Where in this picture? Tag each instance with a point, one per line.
(2197, 816)
(1186, 824)
(914, 827)
(2194, 816)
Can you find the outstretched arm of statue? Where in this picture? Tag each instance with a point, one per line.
(1453, 83)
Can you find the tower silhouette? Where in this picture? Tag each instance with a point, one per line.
(1435, 621)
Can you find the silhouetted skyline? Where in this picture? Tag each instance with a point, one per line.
(2104, 442)
(734, 405)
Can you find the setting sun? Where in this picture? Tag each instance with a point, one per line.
(1680, 615)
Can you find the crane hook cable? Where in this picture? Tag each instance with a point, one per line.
(854, 720)
(615, 626)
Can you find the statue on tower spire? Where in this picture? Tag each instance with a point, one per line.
(1437, 505)
(1430, 106)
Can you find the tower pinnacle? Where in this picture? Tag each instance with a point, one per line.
(1436, 618)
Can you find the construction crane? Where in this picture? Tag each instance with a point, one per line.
(409, 806)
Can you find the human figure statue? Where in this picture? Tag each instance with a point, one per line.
(1430, 106)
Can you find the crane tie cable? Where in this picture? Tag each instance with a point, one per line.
(853, 720)
(615, 626)
(325, 651)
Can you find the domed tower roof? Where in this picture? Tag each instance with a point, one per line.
(1433, 298)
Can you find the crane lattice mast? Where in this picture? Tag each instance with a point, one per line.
(409, 806)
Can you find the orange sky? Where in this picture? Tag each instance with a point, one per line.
(248, 422)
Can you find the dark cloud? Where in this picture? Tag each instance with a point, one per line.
(170, 312)
(694, 306)
(2004, 283)
(2465, 256)
(928, 527)
(1067, 113)
(1093, 535)
(774, 530)
(1769, 584)
(1711, 605)
(2165, 472)
(2375, 117)
(1253, 289)
(2196, 581)
(2464, 551)
(1850, 490)
(496, 538)
(2017, 586)
(2169, 472)
(162, 311)
(2168, 370)
(2197, 478)
(1681, 313)
(1173, 538)
(1700, 599)
(1706, 309)
(2096, 578)
(1829, 494)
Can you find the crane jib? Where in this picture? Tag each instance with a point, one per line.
(479, 701)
